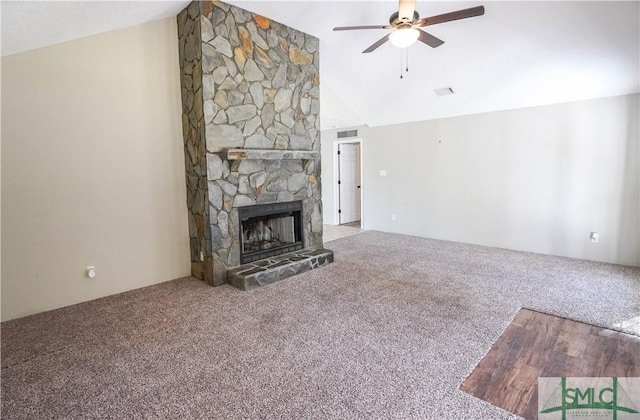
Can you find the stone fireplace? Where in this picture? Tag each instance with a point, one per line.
(250, 99)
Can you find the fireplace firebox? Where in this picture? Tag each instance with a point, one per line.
(267, 230)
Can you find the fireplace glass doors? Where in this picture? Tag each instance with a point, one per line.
(268, 230)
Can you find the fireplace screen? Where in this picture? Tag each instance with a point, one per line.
(270, 229)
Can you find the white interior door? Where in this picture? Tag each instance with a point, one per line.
(349, 182)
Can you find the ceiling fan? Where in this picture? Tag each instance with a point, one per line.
(406, 23)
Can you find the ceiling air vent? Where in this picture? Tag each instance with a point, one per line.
(350, 133)
(443, 91)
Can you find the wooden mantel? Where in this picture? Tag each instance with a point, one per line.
(270, 154)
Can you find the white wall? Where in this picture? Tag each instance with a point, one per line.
(92, 169)
(0, 183)
(535, 179)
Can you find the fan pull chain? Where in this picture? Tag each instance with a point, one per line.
(407, 57)
(404, 68)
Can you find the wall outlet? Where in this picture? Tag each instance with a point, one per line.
(594, 237)
(393, 217)
(91, 272)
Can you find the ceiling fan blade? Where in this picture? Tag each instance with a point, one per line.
(429, 39)
(406, 9)
(377, 44)
(448, 17)
(350, 28)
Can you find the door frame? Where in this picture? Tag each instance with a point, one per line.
(336, 189)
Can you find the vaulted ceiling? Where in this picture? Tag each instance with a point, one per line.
(518, 54)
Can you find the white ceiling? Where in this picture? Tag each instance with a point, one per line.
(518, 54)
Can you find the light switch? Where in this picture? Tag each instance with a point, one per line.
(383, 172)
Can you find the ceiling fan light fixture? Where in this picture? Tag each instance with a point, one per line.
(403, 38)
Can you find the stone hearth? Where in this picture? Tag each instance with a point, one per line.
(250, 99)
(261, 273)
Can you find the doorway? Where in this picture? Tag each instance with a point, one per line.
(349, 191)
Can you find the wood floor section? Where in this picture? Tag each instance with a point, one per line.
(537, 344)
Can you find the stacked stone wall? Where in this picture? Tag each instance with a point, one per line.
(258, 89)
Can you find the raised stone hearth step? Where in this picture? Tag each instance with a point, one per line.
(264, 272)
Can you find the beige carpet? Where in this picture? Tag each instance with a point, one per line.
(390, 330)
